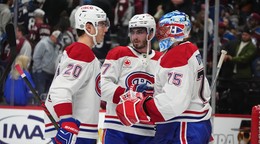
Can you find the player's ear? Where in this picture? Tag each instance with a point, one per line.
(89, 26)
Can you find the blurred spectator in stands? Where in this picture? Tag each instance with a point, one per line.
(245, 7)
(197, 32)
(225, 36)
(253, 22)
(44, 60)
(40, 29)
(5, 14)
(245, 51)
(240, 56)
(23, 45)
(16, 92)
(124, 10)
(53, 9)
(26, 13)
(5, 18)
(171, 5)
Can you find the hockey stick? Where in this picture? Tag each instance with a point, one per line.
(9, 28)
(221, 59)
(20, 71)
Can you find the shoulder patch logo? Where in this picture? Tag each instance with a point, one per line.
(127, 63)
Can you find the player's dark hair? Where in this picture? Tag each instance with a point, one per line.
(80, 32)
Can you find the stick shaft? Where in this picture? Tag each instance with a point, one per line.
(220, 62)
(18, 68)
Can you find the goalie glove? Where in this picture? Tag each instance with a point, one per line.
(147, 90)
(131, 111)
(68, 131)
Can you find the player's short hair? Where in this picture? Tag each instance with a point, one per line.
(80, 32)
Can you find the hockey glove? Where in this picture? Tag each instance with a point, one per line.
(130, 111)
(68, 131)
(147, 90)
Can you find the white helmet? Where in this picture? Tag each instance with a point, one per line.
(89, 14)
(143, 20)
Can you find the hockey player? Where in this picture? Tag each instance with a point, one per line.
(127, 66)
(180, 105)
(73, 99)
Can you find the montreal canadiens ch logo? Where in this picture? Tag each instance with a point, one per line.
(98, 85)
(139, 77)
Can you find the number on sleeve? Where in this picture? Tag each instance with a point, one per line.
(175, 78)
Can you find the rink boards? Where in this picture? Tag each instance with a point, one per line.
(26, 125)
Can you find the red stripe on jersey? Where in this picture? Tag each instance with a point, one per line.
(183, 132)
(80, 51)
(48, 124)
(111, 116)
(118, 52)
(63, 109)
(153, 112)
(195, 112)
(119, 91)
(89, 125)
(178, 56)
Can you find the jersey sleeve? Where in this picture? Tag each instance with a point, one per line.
(110, 73)
(176, 94)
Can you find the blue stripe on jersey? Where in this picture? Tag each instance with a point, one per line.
(134, 126)
(88, 130)
(188, 117)
(48, 130)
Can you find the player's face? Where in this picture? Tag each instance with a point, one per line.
(138, 37)
(102, 29)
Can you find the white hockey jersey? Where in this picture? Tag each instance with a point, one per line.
(123, 67)
(182, 91)
(74, 91)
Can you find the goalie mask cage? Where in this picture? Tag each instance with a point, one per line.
(255, 125)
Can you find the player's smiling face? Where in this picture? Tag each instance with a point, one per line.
(138, 37)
